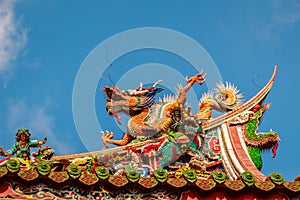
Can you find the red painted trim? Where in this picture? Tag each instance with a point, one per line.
(242, 156)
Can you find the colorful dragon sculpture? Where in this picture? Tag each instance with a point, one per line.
(178, 131)
(150, 119)
(164, 138)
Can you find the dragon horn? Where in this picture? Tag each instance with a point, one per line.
(141, 86)
(156, 83)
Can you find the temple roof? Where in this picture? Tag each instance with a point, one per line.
(204, 155)
(17, 183)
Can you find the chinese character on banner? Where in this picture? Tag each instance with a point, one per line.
(214, 144)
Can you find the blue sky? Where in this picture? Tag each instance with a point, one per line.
(44, 43)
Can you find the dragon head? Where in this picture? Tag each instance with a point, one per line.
(130, 102)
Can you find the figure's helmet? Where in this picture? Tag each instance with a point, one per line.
(23, 131)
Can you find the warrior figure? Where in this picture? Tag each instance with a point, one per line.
(22, 145)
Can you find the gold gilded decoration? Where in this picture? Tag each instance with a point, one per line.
(293, 186)
(3, 171)
(265, 185)
(206, 184)
(118, 181)
(59, 177)
(235, 185)
(148, 182)
(88, 179)
(177, 182)
(28, 175)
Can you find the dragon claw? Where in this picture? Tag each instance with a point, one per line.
(106, 137)
(199, 78)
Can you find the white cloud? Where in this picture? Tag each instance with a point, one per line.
(21, 114)
(285, 14)
(12, 36)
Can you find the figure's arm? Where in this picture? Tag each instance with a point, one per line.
(42, 142)
(11, 151)
(36, 143)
